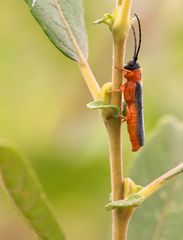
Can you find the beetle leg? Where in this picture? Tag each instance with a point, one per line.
(116, 91)
(127, 71)
(120, 89)
(124, 71)
(123, 118)
(127, 117)
(121, 70)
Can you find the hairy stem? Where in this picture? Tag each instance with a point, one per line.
(118, 61)
(114, 137)
(90, 79)
(120, 217)
(119, 224)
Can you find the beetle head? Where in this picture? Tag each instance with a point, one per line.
(132, 65)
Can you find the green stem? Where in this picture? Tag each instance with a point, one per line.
(118, 61)
(118, 2)
(114, 137)
(161, 181)
(120, 217)
(113, 125)
(115, 143)
(90, 80)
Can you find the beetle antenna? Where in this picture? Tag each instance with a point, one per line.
(135, 39)
(140, 39)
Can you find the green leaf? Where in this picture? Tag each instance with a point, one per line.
(98, 104)
(134, 200)
(26, 192)
(161, 216)
(63, 22)
(107, 19)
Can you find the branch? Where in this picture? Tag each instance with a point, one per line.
(160, 182)
(120, 28)
(90, 79)
(136, 198)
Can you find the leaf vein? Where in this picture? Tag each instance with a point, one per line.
(70, 34)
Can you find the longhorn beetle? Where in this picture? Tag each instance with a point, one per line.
(132, 91)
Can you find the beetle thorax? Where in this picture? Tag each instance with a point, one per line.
(133, 76)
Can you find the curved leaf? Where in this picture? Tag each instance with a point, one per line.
(25, 191)
(98, 104)
(162, 213)
(63, 23)
(134, 200)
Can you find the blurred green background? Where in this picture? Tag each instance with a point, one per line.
(43, 108)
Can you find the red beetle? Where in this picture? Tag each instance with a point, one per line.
(132, 91)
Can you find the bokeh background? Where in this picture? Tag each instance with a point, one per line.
(43, 108)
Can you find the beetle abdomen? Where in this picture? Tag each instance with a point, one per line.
(132, 124)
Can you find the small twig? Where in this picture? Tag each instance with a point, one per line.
(161, 181)
(90, 80)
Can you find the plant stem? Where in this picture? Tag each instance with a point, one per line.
(120, 217)
(118, 61)
(114, 137)
(118, 2)
(113, 125)
(90, 80)
(161, 181)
